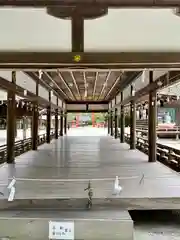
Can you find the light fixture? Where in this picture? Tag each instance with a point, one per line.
(159, 83)
(70, 84)
(25, 92)
(40, 74)
(102, 74)
(133, 93)
(176, 11)
(158, 102)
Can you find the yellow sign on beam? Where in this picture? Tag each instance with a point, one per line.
(77, 58)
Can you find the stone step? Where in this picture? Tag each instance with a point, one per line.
(100, 203)
(88, 225)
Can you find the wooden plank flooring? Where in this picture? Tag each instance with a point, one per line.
(62, 169)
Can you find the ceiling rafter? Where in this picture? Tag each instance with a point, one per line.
(65, 83)
(126, 79)
(35, 77)
(75, 83)
(85, 85)
(95, 82)
(104, 84)
(58, 87)
(47, 86)
(118, 79)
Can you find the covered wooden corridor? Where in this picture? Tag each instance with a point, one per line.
(50, 184)
(63, 169)
(63, 56)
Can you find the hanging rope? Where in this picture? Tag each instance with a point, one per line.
(90, 195)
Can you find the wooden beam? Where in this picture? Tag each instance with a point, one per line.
(55, 84)
(117, 80)
(66, 84)
(42, 82)
(6, 85)
(87, 102)
(89, 111)
(75, 83)
(165, 80)
(77, 34)
(104, 84)
(122, 60)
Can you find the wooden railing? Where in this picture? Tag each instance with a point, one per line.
(165, 154)
(23, 146)
(161, 132)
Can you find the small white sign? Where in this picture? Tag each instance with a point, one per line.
(61, 230)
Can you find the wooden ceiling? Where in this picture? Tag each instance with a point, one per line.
(85, 85)
(82, 84)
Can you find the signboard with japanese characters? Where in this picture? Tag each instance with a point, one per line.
(61, 230)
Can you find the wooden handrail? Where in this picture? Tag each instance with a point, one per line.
(169, 156)
(22, 146)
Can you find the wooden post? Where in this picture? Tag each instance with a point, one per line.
(65, 123)
(111, 122)
(11, 122)
(35, 118)
(61, 124)
(132, 122)
(77, 33)
(122, 119)
(116, 124)
(48, 126)
(56, 121)
(152, 119)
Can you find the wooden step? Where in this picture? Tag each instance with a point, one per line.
(88, 225)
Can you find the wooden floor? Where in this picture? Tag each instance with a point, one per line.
(62, 169)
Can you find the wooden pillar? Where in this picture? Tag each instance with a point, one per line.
(35, 121)
(152, 118)
(132, 122)
(48, 125)
(56, 121)
(65, 123)
(24, 122)
(35, 118)
(108, 122)
(122, 119)
(61, 124)
(11, 122)
(116, 124)
(77, 34)
(111, 122)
